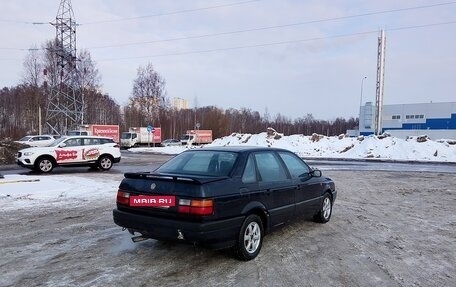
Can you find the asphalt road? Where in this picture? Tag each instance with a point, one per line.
(132, 162)
(387, 229)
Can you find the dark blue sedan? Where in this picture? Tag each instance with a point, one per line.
(223, 197)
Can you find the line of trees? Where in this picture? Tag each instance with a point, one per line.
(22, 106)
(19, 115)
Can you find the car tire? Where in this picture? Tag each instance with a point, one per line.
(105, 162)
(250, 239)
(324, 213)
(44, 164)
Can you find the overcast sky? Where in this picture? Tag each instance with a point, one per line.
(303, 65)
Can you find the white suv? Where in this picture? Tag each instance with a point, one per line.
(41, 140)
(93, 151)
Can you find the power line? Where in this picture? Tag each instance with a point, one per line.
(22, 22)
(235, 4)
(137, 17)
(171, 13)
(280, 42)
(272, 27)
(246, 30)
(274, 43)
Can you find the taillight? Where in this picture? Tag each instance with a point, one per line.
(196, 206)
(116, 145)
(123, 197)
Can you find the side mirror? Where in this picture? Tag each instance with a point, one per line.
(62, 145)
(316, 173)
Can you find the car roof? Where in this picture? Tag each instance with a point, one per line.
(86, 137)
(37, 136)
(239, 148)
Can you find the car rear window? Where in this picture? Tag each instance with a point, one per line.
(208, 163)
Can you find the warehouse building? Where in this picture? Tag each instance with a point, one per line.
(436, 120)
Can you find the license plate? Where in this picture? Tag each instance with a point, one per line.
(153, 201)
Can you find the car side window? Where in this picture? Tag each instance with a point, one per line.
(269, 167)
(90, 141)
(105, 141)
(73, 142)
(249, 175)
(294, 164)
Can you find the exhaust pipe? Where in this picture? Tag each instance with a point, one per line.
(138, 238)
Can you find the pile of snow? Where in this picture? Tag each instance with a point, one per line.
(382, 147)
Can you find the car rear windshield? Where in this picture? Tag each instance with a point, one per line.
(207, 163)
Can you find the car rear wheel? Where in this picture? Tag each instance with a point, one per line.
(105, 162)
(325, 211)
(250, 238)
(44, 164)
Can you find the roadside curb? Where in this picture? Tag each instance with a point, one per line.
(3, 181)
(379, 160)
(8, 166)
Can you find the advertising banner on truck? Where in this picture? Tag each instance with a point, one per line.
(156, 135)
(111, 131)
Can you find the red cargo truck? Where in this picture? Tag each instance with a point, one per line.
(197, 137)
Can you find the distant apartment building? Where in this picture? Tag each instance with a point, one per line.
(179, 103)
(437, 120)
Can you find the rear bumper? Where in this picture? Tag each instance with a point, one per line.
(215, 234)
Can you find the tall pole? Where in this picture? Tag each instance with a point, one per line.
(361, 114)
(361, 99)
(380, 82)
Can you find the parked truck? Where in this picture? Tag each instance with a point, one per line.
(197, 137)
(111, 131)
(137, 136)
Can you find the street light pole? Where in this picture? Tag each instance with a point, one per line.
(361, 99)
(361, 114)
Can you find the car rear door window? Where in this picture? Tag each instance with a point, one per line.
(91, 141)
(269, 167)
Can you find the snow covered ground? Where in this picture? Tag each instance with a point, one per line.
(44, 191)
(58, 228)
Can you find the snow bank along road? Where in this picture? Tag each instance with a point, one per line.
(387, 229)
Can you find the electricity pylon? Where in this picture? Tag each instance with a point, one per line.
(65, 105)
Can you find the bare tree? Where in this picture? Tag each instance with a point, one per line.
(33, 68)
(88, 80)
(148, 93)
(88, 74)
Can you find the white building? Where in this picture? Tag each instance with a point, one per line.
(436, 120)
(179, 103)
